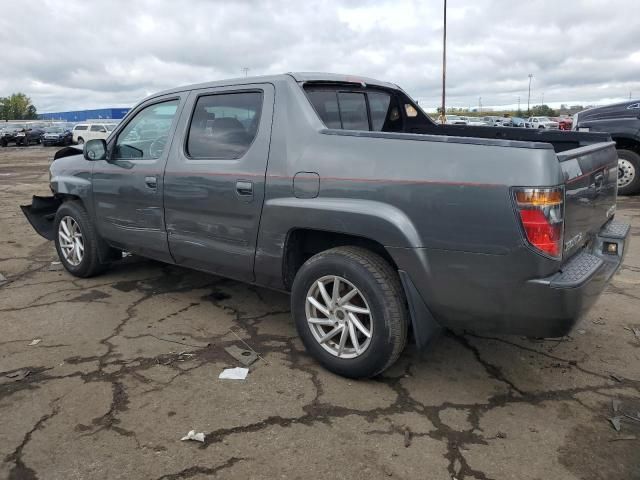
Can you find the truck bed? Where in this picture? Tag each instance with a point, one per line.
(561, 140)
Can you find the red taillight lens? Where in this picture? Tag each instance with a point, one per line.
(542, 216)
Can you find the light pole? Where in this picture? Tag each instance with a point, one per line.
(443, 118)
(480, 104)
(542, 103)
(529, 96)
(518, 104)
(245, 70)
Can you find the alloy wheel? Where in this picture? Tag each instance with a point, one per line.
(71, 241)
(339, 317)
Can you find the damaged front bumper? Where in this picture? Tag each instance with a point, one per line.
(41, 214)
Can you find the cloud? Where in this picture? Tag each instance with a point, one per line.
(79, 54)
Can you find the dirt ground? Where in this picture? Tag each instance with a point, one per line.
(129, 363)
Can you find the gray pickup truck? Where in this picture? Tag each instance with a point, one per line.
(342, 191)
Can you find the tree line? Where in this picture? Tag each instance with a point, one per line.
(17, 106)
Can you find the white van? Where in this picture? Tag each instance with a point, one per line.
(83, 132)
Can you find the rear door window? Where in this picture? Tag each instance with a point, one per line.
(223, 126)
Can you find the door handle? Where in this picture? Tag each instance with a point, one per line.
(244, 189)
(151, 182)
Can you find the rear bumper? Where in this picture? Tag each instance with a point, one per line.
(492, 293)
(562, 298)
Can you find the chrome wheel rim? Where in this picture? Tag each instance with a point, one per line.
(339, 317)
(71, 241)
(626, 172)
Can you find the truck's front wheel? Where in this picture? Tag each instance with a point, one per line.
(77, 241)
(350, 312)
(628, 172)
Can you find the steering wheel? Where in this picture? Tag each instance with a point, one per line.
(157, 147)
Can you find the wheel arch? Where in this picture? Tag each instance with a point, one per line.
(333, 222)
(625, 142)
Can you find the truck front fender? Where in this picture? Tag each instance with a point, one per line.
(41, 213)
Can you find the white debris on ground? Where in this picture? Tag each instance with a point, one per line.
(237, 373)
(192, 435)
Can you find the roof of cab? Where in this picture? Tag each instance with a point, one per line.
(297, 76)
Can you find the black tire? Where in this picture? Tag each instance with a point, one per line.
(380, 286)
(634, 159)
(80, 141)
(94, 247)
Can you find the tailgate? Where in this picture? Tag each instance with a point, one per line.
(591, 185)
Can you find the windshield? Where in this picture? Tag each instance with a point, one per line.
(54, 130)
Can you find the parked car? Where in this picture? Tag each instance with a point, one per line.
(622, 122)
(543, 122)
(505, 122)
(564, 123)
(8, 133)
(342, 191)
(476, 122)
(83, 132)
(520, 123)
(57, 135)
(492, 121)
(455, 120)
(21, 134)
(32, 133)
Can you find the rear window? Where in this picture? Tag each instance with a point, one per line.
(373, 110)
(80, 127)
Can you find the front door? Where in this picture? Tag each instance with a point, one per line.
(127, 188)
(215, 178)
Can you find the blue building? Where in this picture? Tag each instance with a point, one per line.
(82, 115)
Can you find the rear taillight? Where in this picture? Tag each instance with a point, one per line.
(541, 212)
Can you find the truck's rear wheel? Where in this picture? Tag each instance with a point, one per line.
(628, 172)
(77, 241)
(349, 309)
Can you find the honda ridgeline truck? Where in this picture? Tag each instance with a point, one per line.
(343, 192)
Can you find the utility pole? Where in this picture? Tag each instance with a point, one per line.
(245, 70)
(529, 96)
(542, 103)
(480, 104)
(443, 118)
(518, 103)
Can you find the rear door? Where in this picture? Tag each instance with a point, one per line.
(127, 188)
(214, 182)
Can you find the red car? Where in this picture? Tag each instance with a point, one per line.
(564, 123)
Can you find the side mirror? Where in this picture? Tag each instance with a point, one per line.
(95, 150)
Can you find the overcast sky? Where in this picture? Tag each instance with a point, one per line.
(69, 54)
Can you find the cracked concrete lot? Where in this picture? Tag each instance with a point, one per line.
(129, 363)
